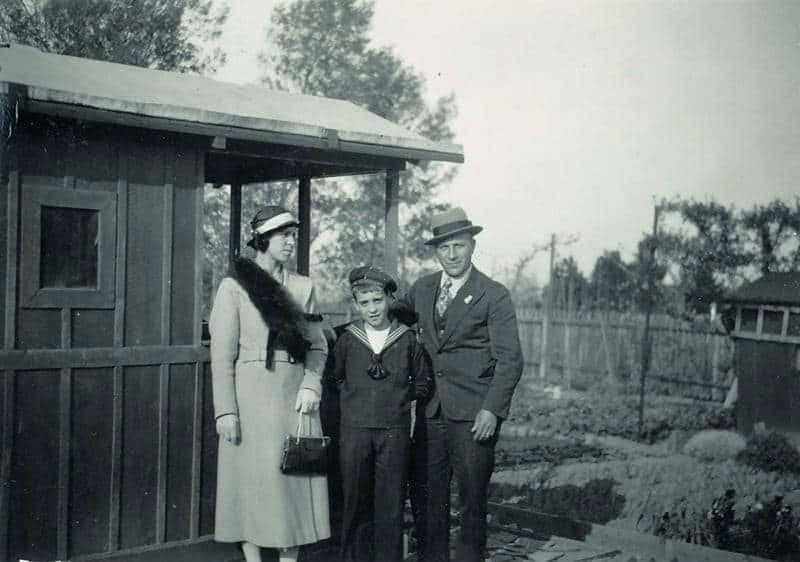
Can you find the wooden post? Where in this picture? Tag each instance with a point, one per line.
(567, 367)
(547, 305)
(235, 235)
(715, 393)
(392, 222)
(304, 232)
(10, 163)
(607, 352)
(648, 311)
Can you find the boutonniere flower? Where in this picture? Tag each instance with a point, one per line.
(468, 299)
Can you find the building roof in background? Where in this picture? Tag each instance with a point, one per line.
(112, 90)
(773, 288)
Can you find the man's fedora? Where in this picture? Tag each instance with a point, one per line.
(451, 223)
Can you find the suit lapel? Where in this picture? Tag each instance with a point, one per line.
(426, 302)
(465, 299)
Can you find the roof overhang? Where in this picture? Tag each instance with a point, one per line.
(131, 96)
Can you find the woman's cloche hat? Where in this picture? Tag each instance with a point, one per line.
(268, 219)
(451, 222)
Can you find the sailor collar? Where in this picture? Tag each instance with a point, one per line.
(396, 330)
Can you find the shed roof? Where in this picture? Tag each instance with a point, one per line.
(109, 90)
(773, 288)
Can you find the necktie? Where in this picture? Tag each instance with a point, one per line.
(445, 296)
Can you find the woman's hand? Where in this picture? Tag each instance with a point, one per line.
(228, 428)
(307, 401)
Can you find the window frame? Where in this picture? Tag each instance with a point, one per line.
(32, 294)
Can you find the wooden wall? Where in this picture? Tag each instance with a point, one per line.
(113, 444)
(769, 388)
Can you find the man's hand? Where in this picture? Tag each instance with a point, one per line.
(413, 417)
(307, 401)
(484, 426)
(228, 428)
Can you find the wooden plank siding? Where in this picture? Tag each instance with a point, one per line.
(118, 399)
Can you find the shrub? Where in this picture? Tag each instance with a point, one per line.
(769, 530)
(772, 452)
(715, 445)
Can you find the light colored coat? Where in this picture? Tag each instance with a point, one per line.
(255, 501)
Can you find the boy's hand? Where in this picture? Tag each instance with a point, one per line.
(484, 426)
(307, 401)
(228, 428)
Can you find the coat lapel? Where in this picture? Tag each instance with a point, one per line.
(465, 299)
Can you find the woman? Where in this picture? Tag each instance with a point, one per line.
(267, 355)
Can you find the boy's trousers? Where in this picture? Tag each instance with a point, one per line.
(374, 464)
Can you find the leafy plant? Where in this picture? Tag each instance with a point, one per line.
(770, 530)
(772, 452)
(715, 445)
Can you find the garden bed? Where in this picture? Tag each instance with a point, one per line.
(581, 457)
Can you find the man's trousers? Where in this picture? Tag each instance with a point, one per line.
(443, 449)
(374, 466)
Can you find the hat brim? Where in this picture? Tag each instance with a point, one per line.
(252, 241)
(471, 230)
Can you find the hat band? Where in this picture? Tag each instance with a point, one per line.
(275, 222)
(451, 226)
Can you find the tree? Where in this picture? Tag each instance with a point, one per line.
(613, 284)
(322, 48)
(160, 34)
(570, 287)
(770, 229)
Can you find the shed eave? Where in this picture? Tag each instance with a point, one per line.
(203, 122)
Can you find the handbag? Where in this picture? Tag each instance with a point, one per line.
(304, 454)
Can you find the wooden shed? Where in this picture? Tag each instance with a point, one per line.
(106, 423)
(766, 333)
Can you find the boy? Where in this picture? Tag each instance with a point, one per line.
(380, 369)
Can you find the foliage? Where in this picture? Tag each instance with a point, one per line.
(596, 501)
(611, 414)
(527, 450)
(717, 247)
(771, 452)
(570, 286)
(714, 445)
(770, 530)
(323, 48)
(161, 34)
(613, 284)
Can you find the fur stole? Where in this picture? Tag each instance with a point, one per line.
(284, 318)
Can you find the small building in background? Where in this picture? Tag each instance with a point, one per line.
(765, 325)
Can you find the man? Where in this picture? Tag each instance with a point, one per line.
(468, 326)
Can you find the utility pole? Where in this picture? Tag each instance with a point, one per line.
(548, 298)
(649, 282)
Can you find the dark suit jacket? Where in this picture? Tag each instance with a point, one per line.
(477, 360)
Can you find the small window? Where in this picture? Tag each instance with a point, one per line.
(794, 324)
(68, 253)
(749, 320)
(772, 322)
(68, 247)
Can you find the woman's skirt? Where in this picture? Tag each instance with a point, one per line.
(255, 501)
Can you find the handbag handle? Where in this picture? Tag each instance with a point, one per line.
(300, 426)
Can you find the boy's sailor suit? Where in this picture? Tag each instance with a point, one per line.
(375, 393)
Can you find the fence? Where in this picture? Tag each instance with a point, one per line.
(584, 350)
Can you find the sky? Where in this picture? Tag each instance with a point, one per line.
(576, 116)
